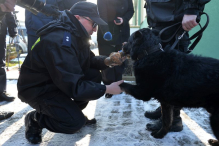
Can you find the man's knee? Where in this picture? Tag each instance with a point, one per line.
(72, 126)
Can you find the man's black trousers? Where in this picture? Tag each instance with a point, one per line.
(59, 113)
(2, 64)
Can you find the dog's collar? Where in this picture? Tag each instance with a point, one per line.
(150, 51)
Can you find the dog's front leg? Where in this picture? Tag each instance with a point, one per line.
(167, 118)
(139, 92)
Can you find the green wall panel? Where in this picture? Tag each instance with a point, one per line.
(209, 44)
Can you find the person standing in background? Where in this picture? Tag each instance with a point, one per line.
(162, 14)
(8, 25)
(117, 14)
(34, 22)
(6, 6)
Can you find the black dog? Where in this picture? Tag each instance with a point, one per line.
(173, 78)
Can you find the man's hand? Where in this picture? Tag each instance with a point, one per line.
(124, 43)
(121, 21)
(188, 22)
(8, 5)
(114, 88)
(12, 32)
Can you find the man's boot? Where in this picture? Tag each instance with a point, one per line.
(33, 132)
(5, 115)
(153, 114)
(6, 97)
(91, 121)
(107, 95)
(176, 124)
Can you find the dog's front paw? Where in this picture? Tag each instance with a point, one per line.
(157, 134)
(154, 132)
(125, 87)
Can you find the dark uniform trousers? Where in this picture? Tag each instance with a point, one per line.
(61, 114)
(2, 64)
(113, 74)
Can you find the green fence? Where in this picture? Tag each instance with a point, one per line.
(209, 44)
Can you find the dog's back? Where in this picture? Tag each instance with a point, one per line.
(174, 75)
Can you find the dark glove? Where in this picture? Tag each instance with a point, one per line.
(50, 11)
(12, 32)
(39, 6)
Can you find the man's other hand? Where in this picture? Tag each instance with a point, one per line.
(188, 22)
(114, 87)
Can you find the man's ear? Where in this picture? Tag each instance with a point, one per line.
(77, 16)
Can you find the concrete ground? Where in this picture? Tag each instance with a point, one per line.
(120, 122)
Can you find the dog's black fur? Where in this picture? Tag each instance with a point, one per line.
(174, 79)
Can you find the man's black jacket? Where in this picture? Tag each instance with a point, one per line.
(109, 11)
(165, 12)
(58, 61)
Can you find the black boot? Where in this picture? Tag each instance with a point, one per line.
(33, 132)
(91, 121)
(5, 115)
(153, 114)
(176, 124)
(107, 95)
(6, 97)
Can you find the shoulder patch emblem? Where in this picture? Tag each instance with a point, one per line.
(66, 39)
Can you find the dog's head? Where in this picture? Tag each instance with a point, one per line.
(140, 41)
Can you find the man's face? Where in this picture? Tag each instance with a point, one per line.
(88, 24)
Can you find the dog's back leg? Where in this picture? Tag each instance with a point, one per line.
(214, 121)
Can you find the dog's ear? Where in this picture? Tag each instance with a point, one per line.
(138, 34)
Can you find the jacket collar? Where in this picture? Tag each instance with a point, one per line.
(67, 22)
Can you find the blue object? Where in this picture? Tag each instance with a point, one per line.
(107, 36)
